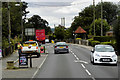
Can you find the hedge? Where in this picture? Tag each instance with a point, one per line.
(103, 38)
(106, 43)
(93, 43)
(90, 40)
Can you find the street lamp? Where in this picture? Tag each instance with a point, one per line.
(21, 20)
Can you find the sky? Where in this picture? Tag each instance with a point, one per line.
(54, 10)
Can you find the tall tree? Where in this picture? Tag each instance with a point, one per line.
(110, 10)
(98, 27)
(38, 23)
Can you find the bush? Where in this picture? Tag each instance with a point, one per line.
(106, 43)
(103, 38)
(90, 40)
(93, 43)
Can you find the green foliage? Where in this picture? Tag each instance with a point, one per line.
(5, 43)
(103, 38)
(93, 43)
(117, 34)
(85, 18)
(59, 33)
(109, 11)
(98, 27)
(106, 43)
(38, 23)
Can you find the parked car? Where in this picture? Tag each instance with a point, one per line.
(61, 47)
(31, 47)
(103, 54)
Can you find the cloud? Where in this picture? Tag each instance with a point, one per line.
(54, 10)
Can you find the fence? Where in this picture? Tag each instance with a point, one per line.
(9, 50)
(79, 41)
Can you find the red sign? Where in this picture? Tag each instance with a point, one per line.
(40, 34)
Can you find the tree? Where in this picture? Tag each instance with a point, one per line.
(98, 27)
(38, 23)
(110, 11)
(117, 34)
(59, 33)
(84, 19)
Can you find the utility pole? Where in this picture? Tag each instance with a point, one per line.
(101, 18)
(22, 23)
(94, 16)
(20, 5)
(9, 25)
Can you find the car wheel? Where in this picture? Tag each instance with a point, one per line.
(55, 52)
(93, 61)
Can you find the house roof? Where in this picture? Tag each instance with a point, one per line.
(80, 30)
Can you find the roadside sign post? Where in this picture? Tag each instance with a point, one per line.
(30, 61)
(23, 60)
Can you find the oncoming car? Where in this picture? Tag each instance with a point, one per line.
(103, 54)
(61, 47)
(31, 47)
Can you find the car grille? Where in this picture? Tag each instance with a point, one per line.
(105, 60)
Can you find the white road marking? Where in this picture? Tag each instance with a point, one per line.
(81, 61)
(83, 66)
(88, 72)
(39, 67)
(77, 58)
(93, 78)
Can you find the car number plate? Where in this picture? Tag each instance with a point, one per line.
(106, 59)
(61, 47)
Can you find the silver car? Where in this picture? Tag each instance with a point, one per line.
(61, 47)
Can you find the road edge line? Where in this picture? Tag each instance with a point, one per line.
(39, 66)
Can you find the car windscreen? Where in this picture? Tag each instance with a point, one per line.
(104, 49)
(61, 43)
(30, 43)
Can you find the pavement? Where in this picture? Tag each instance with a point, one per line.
(22, 72)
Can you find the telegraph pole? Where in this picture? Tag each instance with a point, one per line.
(94, 16)
(101, 18)
(9, 25)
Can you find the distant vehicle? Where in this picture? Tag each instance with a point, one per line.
(61, 47)
(46, 40)
(40, 35)
(31, 47)
(0, 53)
(103, 54)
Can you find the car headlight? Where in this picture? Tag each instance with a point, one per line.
(97, 55)
(114, 55)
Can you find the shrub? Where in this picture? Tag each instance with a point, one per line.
(90, 40)
(103, 38)
(93, 43)
(106, 43)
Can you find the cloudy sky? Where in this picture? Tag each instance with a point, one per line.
(54, 10)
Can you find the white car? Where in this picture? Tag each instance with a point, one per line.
(103, 54)
(31, 47)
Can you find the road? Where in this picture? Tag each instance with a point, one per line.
(75, 64)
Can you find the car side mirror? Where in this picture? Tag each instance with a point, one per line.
(92, 51)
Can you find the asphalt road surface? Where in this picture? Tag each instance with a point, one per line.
(75, 64)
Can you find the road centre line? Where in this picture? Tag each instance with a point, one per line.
(83, 66)
(39, 67)
(88, 72)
